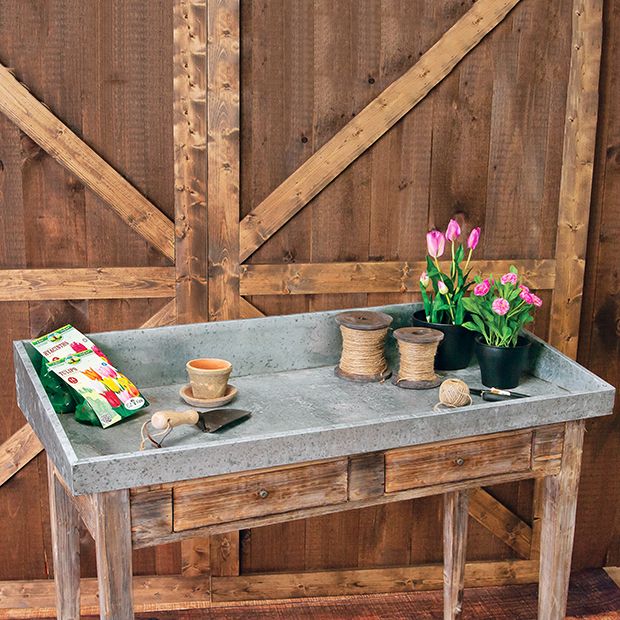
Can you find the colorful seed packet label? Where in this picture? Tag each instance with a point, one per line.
(111, 394)
(64, 342)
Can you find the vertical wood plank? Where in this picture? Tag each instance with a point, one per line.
(65, 522)
(577, 166)
(225, 553)
(454, 543)
(223, 158)
(558, 527)
(190, 169)
(113, 548)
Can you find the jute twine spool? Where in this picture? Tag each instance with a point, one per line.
(363, 339)
(453, 393)
(417, 347)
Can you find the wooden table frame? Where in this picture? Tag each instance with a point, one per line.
(131, 518)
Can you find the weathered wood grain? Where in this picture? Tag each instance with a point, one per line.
(223, 158)
(368, 581)
(225, 554)
(17, 451)
(243, 496)
(366, 476)
(113, 548)
(455, 519)
(166, 315)
(500, 521)
(66, 548)
(86, 283)
(370, 124)
(547, 446)
(190, 171)
(36, 120)
(370, 277)
(558, 526)
(577, 167)
(407, 468)
(27, 600)
(151, 512)
(248, 310)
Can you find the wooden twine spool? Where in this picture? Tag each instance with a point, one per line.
(417, 347)
(363, 339)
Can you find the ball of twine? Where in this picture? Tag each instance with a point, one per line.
(453, 393)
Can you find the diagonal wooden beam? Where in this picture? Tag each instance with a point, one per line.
(370, 124)
(164, 316)
(370, 277)
(248, 310)
(38, 121)
(501, 521)
(17, 451)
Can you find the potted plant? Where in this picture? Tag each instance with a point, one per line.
(499, 310)
(443, 294)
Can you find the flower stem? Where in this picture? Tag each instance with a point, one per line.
(468, 259)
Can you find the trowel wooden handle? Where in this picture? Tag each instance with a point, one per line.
(162, 419)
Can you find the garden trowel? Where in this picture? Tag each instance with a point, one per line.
(206, 421)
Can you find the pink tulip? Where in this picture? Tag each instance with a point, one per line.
(537, 301)
(509, 277)
(435, 243)
(453, 231)
(424, 279)
(526, 296)
(482, 288)
(500, 306)
(524, 288)
(443, 289)
(474, 237)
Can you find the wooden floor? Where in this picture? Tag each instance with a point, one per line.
(593, 596)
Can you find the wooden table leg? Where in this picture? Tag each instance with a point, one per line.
(65, 522)
(558, 527)
(113, 542)
(454, 543)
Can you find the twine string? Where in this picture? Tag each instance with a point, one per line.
(362, 351)
(417, 361)
(453, 393)
(145, 434)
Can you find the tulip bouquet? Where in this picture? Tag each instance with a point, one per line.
(444, 302)
(499, 309)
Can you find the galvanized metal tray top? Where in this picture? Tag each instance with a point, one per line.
(283, 368)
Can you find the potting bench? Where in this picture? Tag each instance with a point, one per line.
(315, 444)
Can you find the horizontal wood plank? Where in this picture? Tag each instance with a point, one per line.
(408, 468)
(366, 581)
(17, 451)
(86, 283)
(240, 496)
(54, 137)
(370, 124)
(372, 277)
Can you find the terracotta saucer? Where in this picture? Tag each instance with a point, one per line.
(187, 395)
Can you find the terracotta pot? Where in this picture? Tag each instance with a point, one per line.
(208, 377)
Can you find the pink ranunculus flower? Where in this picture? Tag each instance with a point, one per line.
(441, 285)
(524, 288)
(500, 306)
(435, 243)
(424, 279)
(537, 301)
(482, 288)
(453, 231)
(509, 277)
(474, 237)
(526, 296)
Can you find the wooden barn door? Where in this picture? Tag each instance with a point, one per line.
(221, 162)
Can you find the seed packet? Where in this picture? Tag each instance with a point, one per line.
(64, 342)
(108, 395)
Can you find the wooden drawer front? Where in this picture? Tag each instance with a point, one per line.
(197, 503)
(409, 468)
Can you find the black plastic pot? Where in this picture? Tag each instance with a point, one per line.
(502, 367)
(457, 346)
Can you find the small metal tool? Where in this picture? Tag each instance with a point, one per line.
(495, 394)
(206, 421)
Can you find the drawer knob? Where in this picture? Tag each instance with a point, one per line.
(459, 461)
(263, 493)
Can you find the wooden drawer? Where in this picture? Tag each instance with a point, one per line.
(420, 466)
(197, 503)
